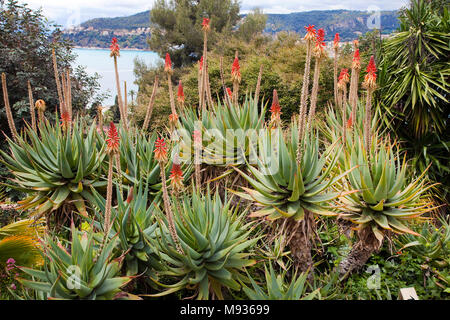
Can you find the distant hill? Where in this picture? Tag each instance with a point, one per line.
(132, 31)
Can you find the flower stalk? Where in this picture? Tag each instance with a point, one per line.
(151, 104)
(309, 38)
(319, 53)
(236, 78)
(9, 115)
(356, 69)
(31, 101)
(161, 157)
(115, 52)
(335, 69)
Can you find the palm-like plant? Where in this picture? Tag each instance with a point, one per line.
(413, 94)
(56, 167)
(215, 241)
(279, 288)
(19, 241)
(85, 272)
(385, 199)
(283, 189)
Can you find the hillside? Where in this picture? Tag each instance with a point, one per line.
(132, 31)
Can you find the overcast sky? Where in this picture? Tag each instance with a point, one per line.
(72, 12)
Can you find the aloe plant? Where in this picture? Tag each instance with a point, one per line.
(135, 225)
(223, 130)
(215, 240)
(432, 244)
(83, 273)
(385, 201)
(280, 288)
(56, 167)
(284, 190)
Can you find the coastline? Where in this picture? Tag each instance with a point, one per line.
(124, 49)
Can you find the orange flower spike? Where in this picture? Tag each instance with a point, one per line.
(336, 41)
(230, 94)
(356, 64)
(344, 76)
(168, 64)
(275, 109)
(160, 150)
(320, 45)
(370, 80)
(113, 140)
(310, 33)
(173, 118)
(235, 71)
(200, 64)
(115, 49)
(205, 24)
(176, 176)
(180, 95)
(65, 119)
(349, 122)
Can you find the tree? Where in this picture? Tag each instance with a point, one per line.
(26, 43)
(176, 26)
(254, 23)
(414, 85)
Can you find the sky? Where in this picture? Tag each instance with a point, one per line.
(68, 13)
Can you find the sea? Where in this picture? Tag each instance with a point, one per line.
(99, 61)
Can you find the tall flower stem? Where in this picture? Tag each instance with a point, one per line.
(335, 70)
(107, 223)
(172, 99)
(315, 91)
(258, 84)
(204, 70)
(168, 209)
(368, 120)
(303, 100)
(151, 104)
(356, 68)
(119, 96)
(31, 101)
(9, 115)
(58, 84)
(125, 98)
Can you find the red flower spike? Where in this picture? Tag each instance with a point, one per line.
(115, 49)
(371, 68)
(113, 139)
(230, 94)
(356, 64)
(349, 122)
(310, 33)
(160, 150)
(320, 45)
(371, 77)
(168, 64)
(344, 76)
(65, 119)
(205, 24)
(275, 109)
(336, 40)
(180, 94)
(176, 177)
(235, 71)
(200, 64)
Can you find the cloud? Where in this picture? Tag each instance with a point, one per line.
(76, 11)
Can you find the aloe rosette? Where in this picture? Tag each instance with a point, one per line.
(56, 167)
(79, 273)
(282, 188)
(215, 240)
(386, 201)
